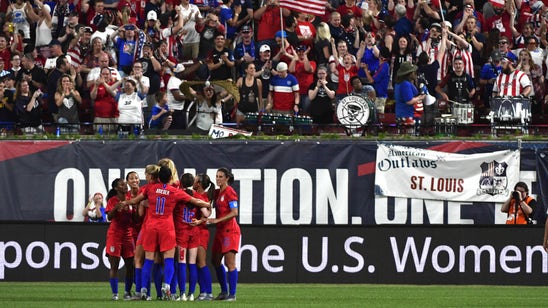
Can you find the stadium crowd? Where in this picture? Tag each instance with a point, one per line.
(119, 64)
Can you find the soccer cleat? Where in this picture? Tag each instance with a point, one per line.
(144, 294)
(127, 296)
(114, 297)
(221, 297)
(174, 297)
(136, 296)
(183, 297)
(231, 298)
(190, 297)
(201, 297)
(166, 292)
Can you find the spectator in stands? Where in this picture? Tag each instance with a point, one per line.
(406, 94)
(402, 52)
(268, 17)
(537, 54)
(322, 44)
(264, 70)
(251, 92)
(306, 32)
(160, 117)
(22, 15)
(28, 108)
(229, 15)
(176, 99)
(80, 46)
(476, 39)
(460, 85)
(245, 50)
(43, 24)
(15, 66)
(62, 67)
(147, 72)
(95, 72)
(102, 93)
(34, 75)
(380, 80)
(8, 118)
(335, 27)
(5, 52)
(125, 41)
(130, 106)
(403, 25)
(290, 25)
(488, 75)
(501, 19)
(321, 94)
(345, 72)
(304, 70)
(209, 109)
(462, 18)
(511, 82)
(368, 55)
(220, 60)
(190, 38)
(284, 95)
(69, 31)
(534, 72)
(504, 48)
(95, 210)
(337, 57)
(55, 52)
(283, 50)
(208, 28)
(374, 15)
(67, 99)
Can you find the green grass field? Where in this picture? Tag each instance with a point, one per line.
(94, 294)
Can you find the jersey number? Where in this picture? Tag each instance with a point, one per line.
(160, 205)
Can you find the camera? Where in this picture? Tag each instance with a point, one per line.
(516, 195)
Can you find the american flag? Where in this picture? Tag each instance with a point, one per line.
(314, 7)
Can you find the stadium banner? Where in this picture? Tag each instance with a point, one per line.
(297, 182)
(419, 173)
(501, 255)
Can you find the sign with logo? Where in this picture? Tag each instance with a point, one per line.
(418, 173)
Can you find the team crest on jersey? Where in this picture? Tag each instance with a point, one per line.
(493, 179)
(112, 249)
(288, 82)
(222, 198)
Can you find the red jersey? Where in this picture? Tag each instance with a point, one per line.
(162, 199)
(222, 208)
(183, 215)
(122, 223)
(305, 78)
(344, 78)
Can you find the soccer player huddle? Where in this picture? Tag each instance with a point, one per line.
(162, 226)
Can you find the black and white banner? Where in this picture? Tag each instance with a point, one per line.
(419, 173)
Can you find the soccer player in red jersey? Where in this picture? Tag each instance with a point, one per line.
(119, 236)
(204, 189)
(159, 229)
(227, 236)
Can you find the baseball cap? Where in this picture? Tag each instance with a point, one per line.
(281, 34)
(282, 66)
(245, 29)
(151, 15)
(264, 48)
(435, 25)
(497, 3)
(301, 48)
(496, 56)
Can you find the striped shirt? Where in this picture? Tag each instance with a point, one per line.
(466, 55)
(511, 84)
(283, 91)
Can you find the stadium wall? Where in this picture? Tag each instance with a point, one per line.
(280, 183)
(304, 254)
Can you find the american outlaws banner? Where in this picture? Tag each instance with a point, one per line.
(419, 173)
(314, 7)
